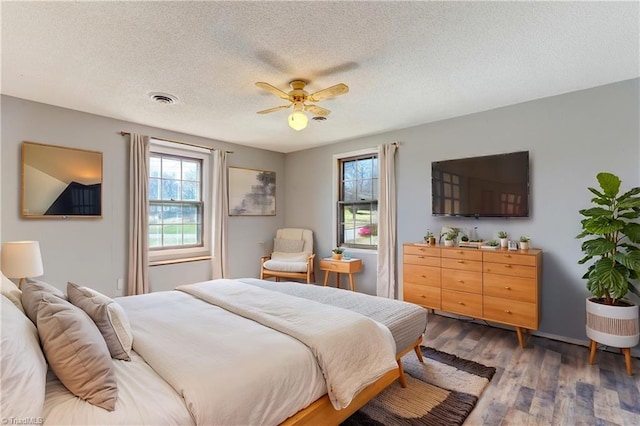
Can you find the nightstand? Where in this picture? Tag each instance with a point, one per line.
(350, 267)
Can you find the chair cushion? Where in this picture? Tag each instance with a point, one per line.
(290, 257)
(287, 246)
(285, 266)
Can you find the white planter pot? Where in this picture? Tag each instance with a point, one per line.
(504, 242)
(615, 326)
(448, 243)
(524, 246)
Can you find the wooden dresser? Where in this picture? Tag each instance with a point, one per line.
(500, 286)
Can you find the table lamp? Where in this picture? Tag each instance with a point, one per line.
(21, 259)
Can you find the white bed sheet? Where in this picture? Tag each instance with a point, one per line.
(144, 398)
(229, 370)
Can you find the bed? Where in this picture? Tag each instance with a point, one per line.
(230, 352)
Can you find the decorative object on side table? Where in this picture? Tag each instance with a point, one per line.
(504, 242)
(450, 236)
(491, 245)
(337, 253)
(524, 242)
(430, 239)
(21, 259)
(615, 245)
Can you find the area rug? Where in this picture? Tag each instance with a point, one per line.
(441, 391)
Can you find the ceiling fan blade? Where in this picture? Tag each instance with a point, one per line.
(278, 108)
(316, 110)
(271, 89)
(329, 92)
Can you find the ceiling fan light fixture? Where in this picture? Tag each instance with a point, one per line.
(298, 120)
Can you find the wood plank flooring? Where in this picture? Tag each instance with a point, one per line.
(546, 383)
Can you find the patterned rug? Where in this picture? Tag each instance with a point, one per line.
(442, 391)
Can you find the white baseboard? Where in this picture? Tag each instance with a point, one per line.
(635, 352)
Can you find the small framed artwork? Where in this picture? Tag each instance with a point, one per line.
(512, 245)
(252, 192)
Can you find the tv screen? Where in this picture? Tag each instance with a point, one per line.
(488, 186)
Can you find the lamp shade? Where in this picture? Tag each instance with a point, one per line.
(298, 121)
(21, 259)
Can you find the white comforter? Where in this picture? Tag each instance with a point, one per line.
(229, 370)
(331, 333)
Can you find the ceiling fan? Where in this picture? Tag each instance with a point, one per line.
(298, 98)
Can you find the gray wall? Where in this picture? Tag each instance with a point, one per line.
(570, 139)
(93, 252)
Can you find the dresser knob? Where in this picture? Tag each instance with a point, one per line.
(462, 303)
(423, 276)
(420, 257)
(459, 252)
(423, 296)
(461, 281)
(507, 287)
(507, 255)
(507, 311)
(507, 266)
(460, 261)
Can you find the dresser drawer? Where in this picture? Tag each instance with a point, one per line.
(510, 269)
(458, 253)
(512, 312)
(421, 250)
(509, 287)
(468, 281)
(422, 295)
(459, 302)
(510, 258)
(425, 275)
(462, 264)
(420, 259)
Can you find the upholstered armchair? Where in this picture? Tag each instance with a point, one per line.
(292, 256)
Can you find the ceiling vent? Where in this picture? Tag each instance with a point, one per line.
(163, 98)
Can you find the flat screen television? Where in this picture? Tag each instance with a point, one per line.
(488, 186)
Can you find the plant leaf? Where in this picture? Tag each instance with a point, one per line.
(630, 193)
(611, 277)
(630, 215)
(634, 289)
(602, 225)
(584, 260)
(596, 211)
(629, 260)
(598, 247)
(609, 183)
(596, 192)
(632, 231)
(629, 203)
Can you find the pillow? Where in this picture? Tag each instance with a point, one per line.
(287, 246)
(110, 318)
(23, 368)
(32, 292)
(76, 351)
(11, 292)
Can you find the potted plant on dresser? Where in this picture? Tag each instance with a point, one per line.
(614, 246)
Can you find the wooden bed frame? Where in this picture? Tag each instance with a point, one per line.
(322, 412)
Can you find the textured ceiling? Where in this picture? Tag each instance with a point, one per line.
(406, 63)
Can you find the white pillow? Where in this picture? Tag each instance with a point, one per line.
(23, 367)
(11, 292)
(287, 246)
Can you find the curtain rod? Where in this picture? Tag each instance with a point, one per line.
(123, 133)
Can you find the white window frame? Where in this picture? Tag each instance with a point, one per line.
(335, 194)
(187, 151)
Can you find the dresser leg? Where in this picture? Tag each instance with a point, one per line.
(520, 337)
(593, 346)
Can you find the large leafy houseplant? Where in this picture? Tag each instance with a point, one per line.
(614, 232)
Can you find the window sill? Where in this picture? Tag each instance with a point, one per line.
(182, 260)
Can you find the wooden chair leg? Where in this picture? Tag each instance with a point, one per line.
(418, 353)
(402, 379)
(593, 346)
(627, 359)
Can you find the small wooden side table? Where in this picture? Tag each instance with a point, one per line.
(350, 267)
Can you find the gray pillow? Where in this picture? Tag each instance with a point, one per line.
(32, 292)
(282, 245)
(76, 352)
(110, 318)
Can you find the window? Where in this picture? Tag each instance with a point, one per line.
(357, 216)
(177, 202)
(510, 204)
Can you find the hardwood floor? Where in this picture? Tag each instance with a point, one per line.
(546, 383)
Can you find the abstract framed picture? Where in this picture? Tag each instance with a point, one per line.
(252, 192)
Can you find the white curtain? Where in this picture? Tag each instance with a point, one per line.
(220, 207)
(386, 273)
(138, 271)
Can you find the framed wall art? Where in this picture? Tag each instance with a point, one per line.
(252, 192)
